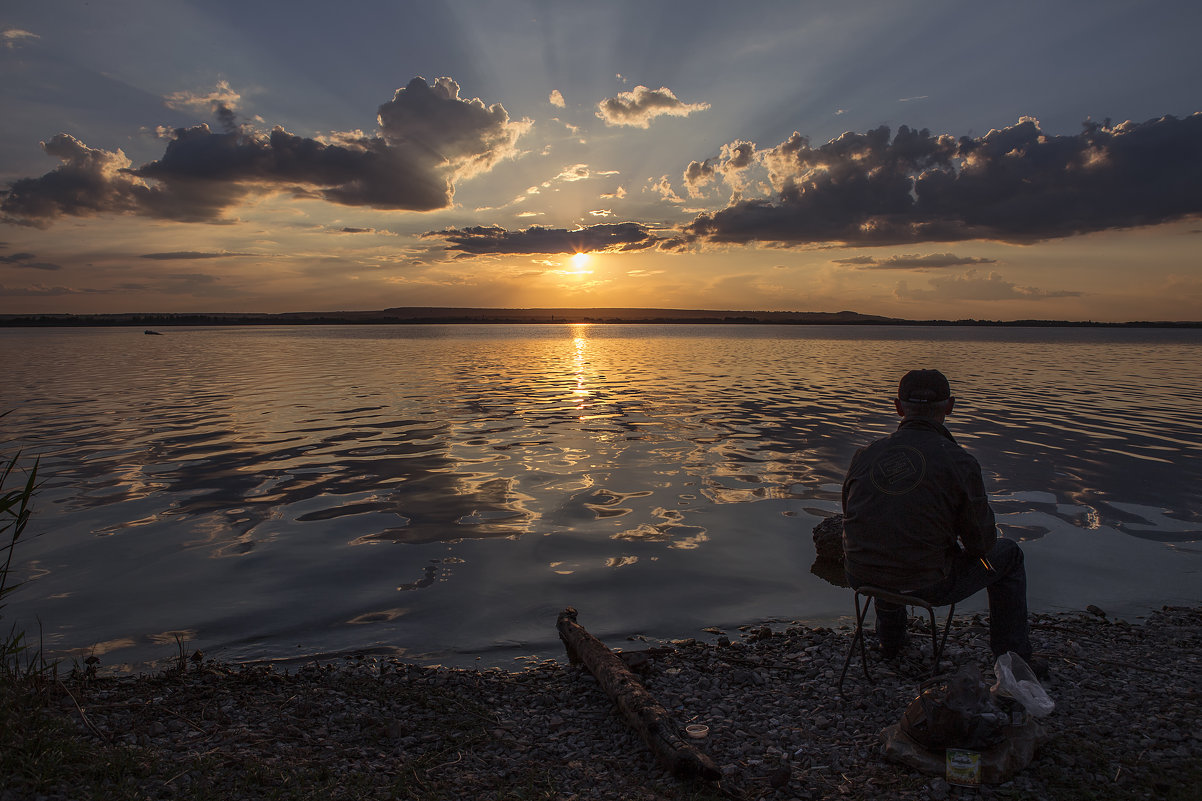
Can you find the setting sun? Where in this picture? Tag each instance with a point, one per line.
(580, 262)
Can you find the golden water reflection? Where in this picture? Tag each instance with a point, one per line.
(592, 448)
(172, 637)
(580, 344)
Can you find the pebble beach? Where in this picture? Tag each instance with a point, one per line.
(1127, 723)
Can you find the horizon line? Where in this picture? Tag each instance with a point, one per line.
(517, 315)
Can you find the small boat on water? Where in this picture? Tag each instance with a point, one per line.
(148, 332)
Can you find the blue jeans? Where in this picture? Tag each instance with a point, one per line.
(1007, 587)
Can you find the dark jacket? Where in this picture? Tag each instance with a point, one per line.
(907, 499)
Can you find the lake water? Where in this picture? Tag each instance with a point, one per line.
(441, 492)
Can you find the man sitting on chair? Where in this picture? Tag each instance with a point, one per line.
(916, 520)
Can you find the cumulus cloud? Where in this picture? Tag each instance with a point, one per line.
(697, 175)
(556, 99)
(568, 174)
(491, 239)
(638, 107)
(914, 261)
(428, 138)
(434, 121)
(88, 181)
(972, 285)
(1016, 184)
(737, 155)
(663, 188)
(729, 165)
(221, 96)
(11, 38)
(573, 173)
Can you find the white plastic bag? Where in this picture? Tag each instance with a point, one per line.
(1015, 680)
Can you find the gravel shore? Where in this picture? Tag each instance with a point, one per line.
(1126, 724)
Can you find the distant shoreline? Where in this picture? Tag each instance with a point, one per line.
(433, 315)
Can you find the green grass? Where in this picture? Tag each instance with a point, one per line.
(15, 511)
(41, 750)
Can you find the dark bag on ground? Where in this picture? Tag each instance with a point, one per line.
(958, 714)
(961, 713)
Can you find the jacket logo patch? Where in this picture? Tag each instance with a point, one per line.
(898, 470)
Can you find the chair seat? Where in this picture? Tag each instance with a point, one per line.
(871, 593)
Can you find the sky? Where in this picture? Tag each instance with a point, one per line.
(924, 160)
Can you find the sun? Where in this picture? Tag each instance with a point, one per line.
(580, 262)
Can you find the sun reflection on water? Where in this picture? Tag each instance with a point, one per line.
(580, 343)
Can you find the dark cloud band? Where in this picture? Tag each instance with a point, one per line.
(25, 261)
(188, 255)
(481, 240)
(1017, 185)
(428, 138)
(913, 262)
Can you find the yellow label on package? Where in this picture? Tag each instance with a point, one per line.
(963, 767)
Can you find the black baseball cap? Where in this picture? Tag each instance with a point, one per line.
(923, 386)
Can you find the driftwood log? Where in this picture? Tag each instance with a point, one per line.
(640, 709)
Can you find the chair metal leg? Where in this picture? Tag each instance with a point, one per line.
(935, 649)
(947, 627)
(860, 617)
(870, 595)
(858, 636)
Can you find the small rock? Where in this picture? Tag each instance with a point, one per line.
(745, 677)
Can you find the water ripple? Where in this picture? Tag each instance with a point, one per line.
(277, 470)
